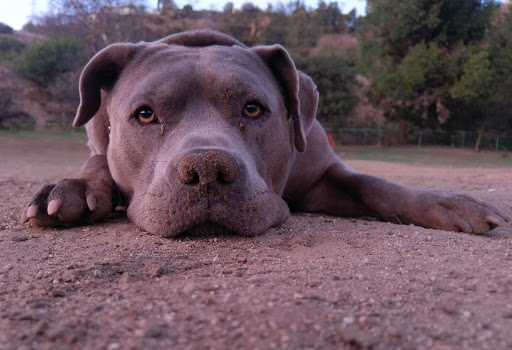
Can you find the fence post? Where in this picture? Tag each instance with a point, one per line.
(379, 130)
(420, 138)
(497, 143)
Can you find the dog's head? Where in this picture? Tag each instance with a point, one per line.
(203, 130)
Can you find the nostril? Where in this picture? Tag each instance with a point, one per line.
(228, 174)
(206, 168)
(195, 179)
(220, 178)
(192, 178)
(221, 167)
(187, 173)
(224, 178)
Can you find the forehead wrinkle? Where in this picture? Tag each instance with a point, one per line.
(167, 76)
(232, 76)
(167, 54)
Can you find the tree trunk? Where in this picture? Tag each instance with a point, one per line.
(480, 134)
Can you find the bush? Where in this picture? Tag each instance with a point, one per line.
(18, 122)
(10, 117)
(65, 87)
(9, 47)
(5, 102)
(41, 63)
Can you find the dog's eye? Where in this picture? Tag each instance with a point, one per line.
(146, 115)
(252, 110)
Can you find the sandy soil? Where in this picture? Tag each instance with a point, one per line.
(315, 282)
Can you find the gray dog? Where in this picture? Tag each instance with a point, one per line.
(197, 131)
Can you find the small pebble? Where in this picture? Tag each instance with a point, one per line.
(21, 238)
(242, 259)
(68, 276)
(349, 319)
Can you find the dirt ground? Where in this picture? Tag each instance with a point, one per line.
(315, 282)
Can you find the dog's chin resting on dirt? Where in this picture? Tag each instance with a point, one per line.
(197, 132)
(207, 229)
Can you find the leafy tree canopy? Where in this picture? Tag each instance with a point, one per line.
(429, 60)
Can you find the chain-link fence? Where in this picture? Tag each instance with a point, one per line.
(393, 137)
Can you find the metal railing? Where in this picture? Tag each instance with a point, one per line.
(394, 137)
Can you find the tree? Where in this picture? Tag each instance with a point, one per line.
(482, 90)
(330, 17)
(166, 5)
(301, 31)
(498, 45)
(5, 29)
(246, 25)
(228, 8)
(97, 23)
(335, 77)
(426, 58)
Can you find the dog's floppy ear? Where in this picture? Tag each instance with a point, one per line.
(300, 91)
(101, 72)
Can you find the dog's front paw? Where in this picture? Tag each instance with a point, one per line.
(452, 212)
(71, 202)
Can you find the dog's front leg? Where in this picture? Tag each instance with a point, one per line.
(88, 198)
(343, 192)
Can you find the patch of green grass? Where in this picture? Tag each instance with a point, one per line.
(78, 135)
(439, 156)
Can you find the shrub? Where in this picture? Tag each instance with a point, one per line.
(41, 63)
(9, 47)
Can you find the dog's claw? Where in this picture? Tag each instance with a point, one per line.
(463, 225)
(496, 220)
(28, 213)
(31, 212)
(92, 202)
(23, 218)
(54, 206)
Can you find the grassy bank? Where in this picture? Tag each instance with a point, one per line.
(439, 156)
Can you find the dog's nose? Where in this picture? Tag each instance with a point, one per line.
(207, 168)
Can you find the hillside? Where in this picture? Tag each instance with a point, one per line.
(46, 95)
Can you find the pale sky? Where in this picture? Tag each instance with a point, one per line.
(16, 13)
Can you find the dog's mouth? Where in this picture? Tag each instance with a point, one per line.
(247, 212)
